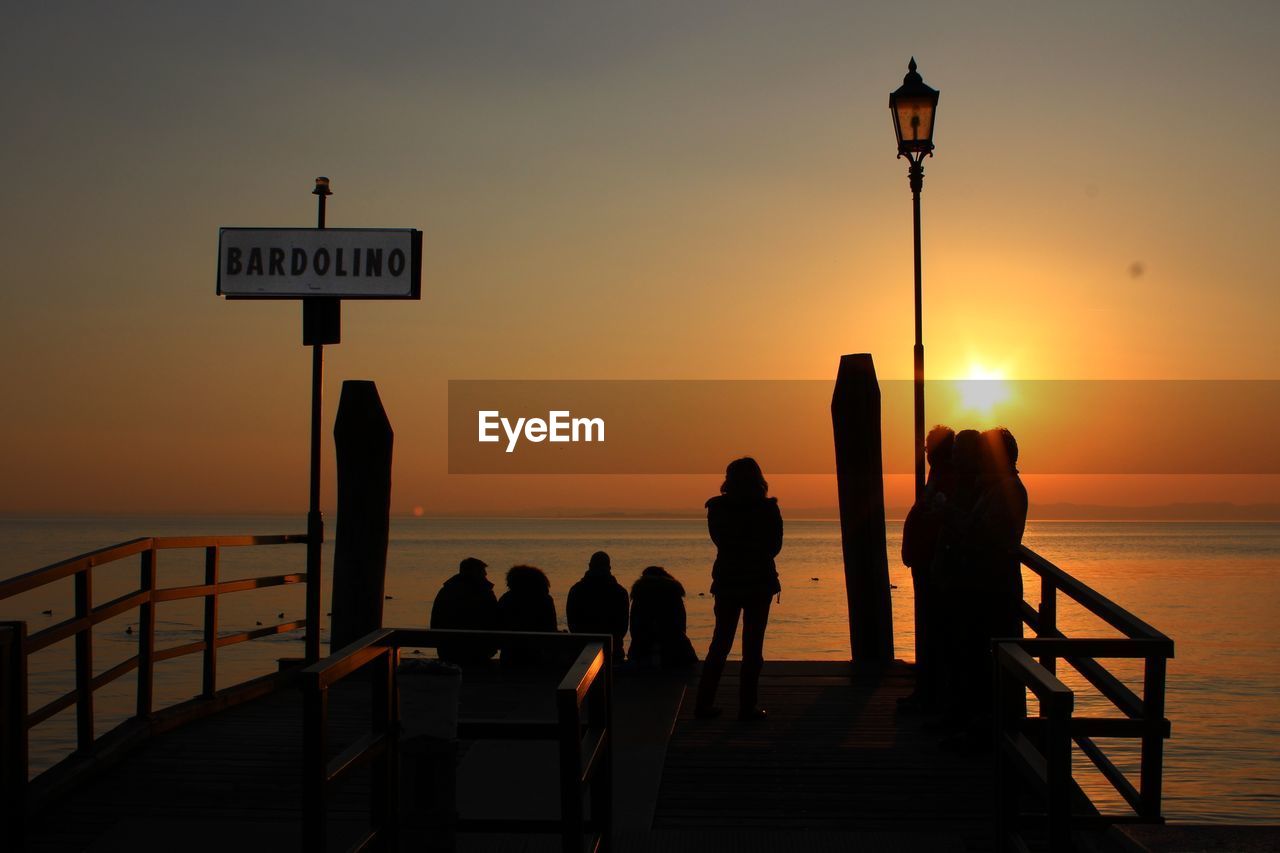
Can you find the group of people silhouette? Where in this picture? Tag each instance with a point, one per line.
(960, 540)
(598, 604)
(746, 527)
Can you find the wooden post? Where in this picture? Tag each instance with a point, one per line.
(146, 632)
(1048, 619)
(1151, 775)
(84, 662)
(211, 556)
(571, 819)
(315, 760)
(385, 782)
(855, 419)
(601, 711)
(13, 734)
(362, 436)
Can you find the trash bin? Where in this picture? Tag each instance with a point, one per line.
(429, 694)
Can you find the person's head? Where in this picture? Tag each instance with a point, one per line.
(472, 568)
(599, 562)
(999, 453)
(938, 445)
(528, 580)
(744, 478)
(966, 453)
(656, 580)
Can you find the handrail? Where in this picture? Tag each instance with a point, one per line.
(1097, 603)
(1030, 745)
(16, 720)
(1047, 769)
(586, 743)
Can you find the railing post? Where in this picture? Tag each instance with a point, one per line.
(1005, 804)
(211, 556)
(385, 799)
(601, 715)
(13, 733)
(1048, 619)
(1057, 753)
(1152, 773)
(146, 632)
(315, 722)
(84, 662)
(570, 771)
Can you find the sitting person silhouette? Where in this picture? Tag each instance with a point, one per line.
(526, 606)
(659, 635)
(746, 527)
(466, 600)
(598, 603)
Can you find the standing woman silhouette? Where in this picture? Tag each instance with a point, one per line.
(746, 527)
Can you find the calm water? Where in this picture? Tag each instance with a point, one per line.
(1214, 588)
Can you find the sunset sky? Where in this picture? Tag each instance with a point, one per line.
(612, 191)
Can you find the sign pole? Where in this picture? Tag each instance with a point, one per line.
(321, 319)
(321, 267)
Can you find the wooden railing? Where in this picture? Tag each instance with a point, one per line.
(586, 742)
(1035, 753)
(16, 645)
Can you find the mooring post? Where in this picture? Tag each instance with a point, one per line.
(855, 420)
(362, 437)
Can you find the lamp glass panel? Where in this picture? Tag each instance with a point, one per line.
(915, 119)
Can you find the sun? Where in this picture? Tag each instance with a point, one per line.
(983, 389)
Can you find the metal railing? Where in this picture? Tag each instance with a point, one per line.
(1035, 753)
(585, 740)
(16, 645)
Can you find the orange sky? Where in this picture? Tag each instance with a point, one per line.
(654, 191)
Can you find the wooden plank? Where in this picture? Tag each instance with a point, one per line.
(232, 541)
(73, 565)
(178, 593)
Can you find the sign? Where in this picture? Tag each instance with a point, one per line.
(338, 263)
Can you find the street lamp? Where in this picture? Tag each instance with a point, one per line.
(913, 105)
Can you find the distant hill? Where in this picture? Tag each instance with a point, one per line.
(1207, 511)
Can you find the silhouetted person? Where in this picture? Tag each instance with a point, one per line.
(920, 532)
(952, 580)
(1000, 519)
(659, 625)
(467, 601)
(746, 527)
(598, 603)
(989, 597)
(526, 606)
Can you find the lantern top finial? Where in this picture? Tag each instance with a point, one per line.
(912, 76)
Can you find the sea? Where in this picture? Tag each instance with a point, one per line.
(1214, 588)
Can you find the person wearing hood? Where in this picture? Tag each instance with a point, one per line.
(658, 621)
(746, 527)
(466, 601)
(526, 606)
(598, 603)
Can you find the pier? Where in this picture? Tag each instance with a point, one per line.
(312, 757)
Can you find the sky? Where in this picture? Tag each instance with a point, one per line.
(611, 191)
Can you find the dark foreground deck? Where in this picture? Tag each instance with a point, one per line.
(832, 768)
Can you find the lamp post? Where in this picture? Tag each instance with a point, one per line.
(913, 105)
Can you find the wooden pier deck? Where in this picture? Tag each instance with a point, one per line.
(832, 768)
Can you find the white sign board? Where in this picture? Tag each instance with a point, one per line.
(341, 263)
